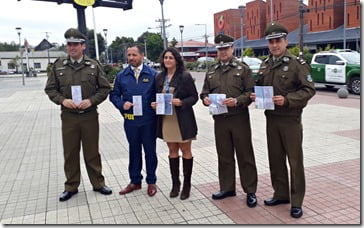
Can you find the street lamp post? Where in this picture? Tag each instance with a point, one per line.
(18, 29)
(206, 54)
(242, 9)
(163, 27)
(145, 47)
(181, 27)
(106, 51)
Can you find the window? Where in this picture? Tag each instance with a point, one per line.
(321, 59)
(322, 18)
(318, 19)
(333, 59)
(11, 66)
(37, 66)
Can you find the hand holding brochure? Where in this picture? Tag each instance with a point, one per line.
(217, 107)
(164, 103)
(137, 106)
(76, 94)
(264, 97)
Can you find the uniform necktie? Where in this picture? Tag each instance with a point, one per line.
(137, 73)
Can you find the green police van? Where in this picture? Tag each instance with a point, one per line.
(337, 67)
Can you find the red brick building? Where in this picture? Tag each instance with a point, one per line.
(255, 19)
(285, 12)
(228, 22)
(329, 14)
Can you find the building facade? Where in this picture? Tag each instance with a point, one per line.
(38, 60)
(229, 22)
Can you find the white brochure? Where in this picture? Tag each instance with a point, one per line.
(76, 94)
(137, 105)
(264, 97)
(217, 107)
(164, 103)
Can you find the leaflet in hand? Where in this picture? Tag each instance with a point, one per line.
(137, 105)
(76, 94)
(217, 107)
(264, 97)
(164, 103)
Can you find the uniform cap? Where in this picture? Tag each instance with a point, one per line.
(275, 30)
(223, 41)
(72, 35)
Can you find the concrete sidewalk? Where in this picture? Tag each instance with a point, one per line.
(32, 175)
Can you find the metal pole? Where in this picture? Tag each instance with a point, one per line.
(241, 31)
(301, 28)
(21, 59)
(106, 51)
(163, 27)
(145, 47)
(271, 11)
(181, 30)
(206, 44)
(344, 44)
(95, 35)
(49, 60)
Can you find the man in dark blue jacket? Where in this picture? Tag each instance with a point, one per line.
(135, 82)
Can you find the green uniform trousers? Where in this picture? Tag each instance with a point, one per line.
(77, 128)
(233, 134)
(284, 136)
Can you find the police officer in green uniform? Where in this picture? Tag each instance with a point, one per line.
(78, 84)
(232, 129)
(292, 88)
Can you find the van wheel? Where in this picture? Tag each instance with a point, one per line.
(354, 85)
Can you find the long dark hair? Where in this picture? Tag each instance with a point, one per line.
(180, 66)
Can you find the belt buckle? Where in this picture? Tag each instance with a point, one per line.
(80, 111)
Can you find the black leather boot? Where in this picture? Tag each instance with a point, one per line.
(176, 183)
(187, 172)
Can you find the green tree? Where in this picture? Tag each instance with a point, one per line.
(91, 43)
(9, 47)
(174, 42)
(248, 52)
(154, 45)
(119, 48)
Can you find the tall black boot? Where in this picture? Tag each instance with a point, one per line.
(176, 183)
(187, 172)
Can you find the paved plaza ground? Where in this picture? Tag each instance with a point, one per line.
(32, 176)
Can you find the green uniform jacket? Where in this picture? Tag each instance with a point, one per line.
(290, 77)
(88, 74)
(234, 80)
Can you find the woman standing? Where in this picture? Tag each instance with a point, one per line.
(179, 129)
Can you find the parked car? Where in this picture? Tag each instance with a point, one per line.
(253, 63)
(337, 67)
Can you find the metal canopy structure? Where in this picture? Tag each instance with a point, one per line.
(81, 19)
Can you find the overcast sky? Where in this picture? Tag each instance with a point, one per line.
(37, 17)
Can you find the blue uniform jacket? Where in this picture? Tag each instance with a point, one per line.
(125, 87)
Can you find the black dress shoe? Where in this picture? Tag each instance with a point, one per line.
(251, 200)
(66, 195)
(274, 202)
(104, 190)
(296, 212)
(222, 195)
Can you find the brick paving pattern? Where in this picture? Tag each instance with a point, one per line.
(32, 177)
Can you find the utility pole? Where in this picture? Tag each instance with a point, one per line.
(301, 28)
(49, 60)
(242, 9)
(344, 34)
